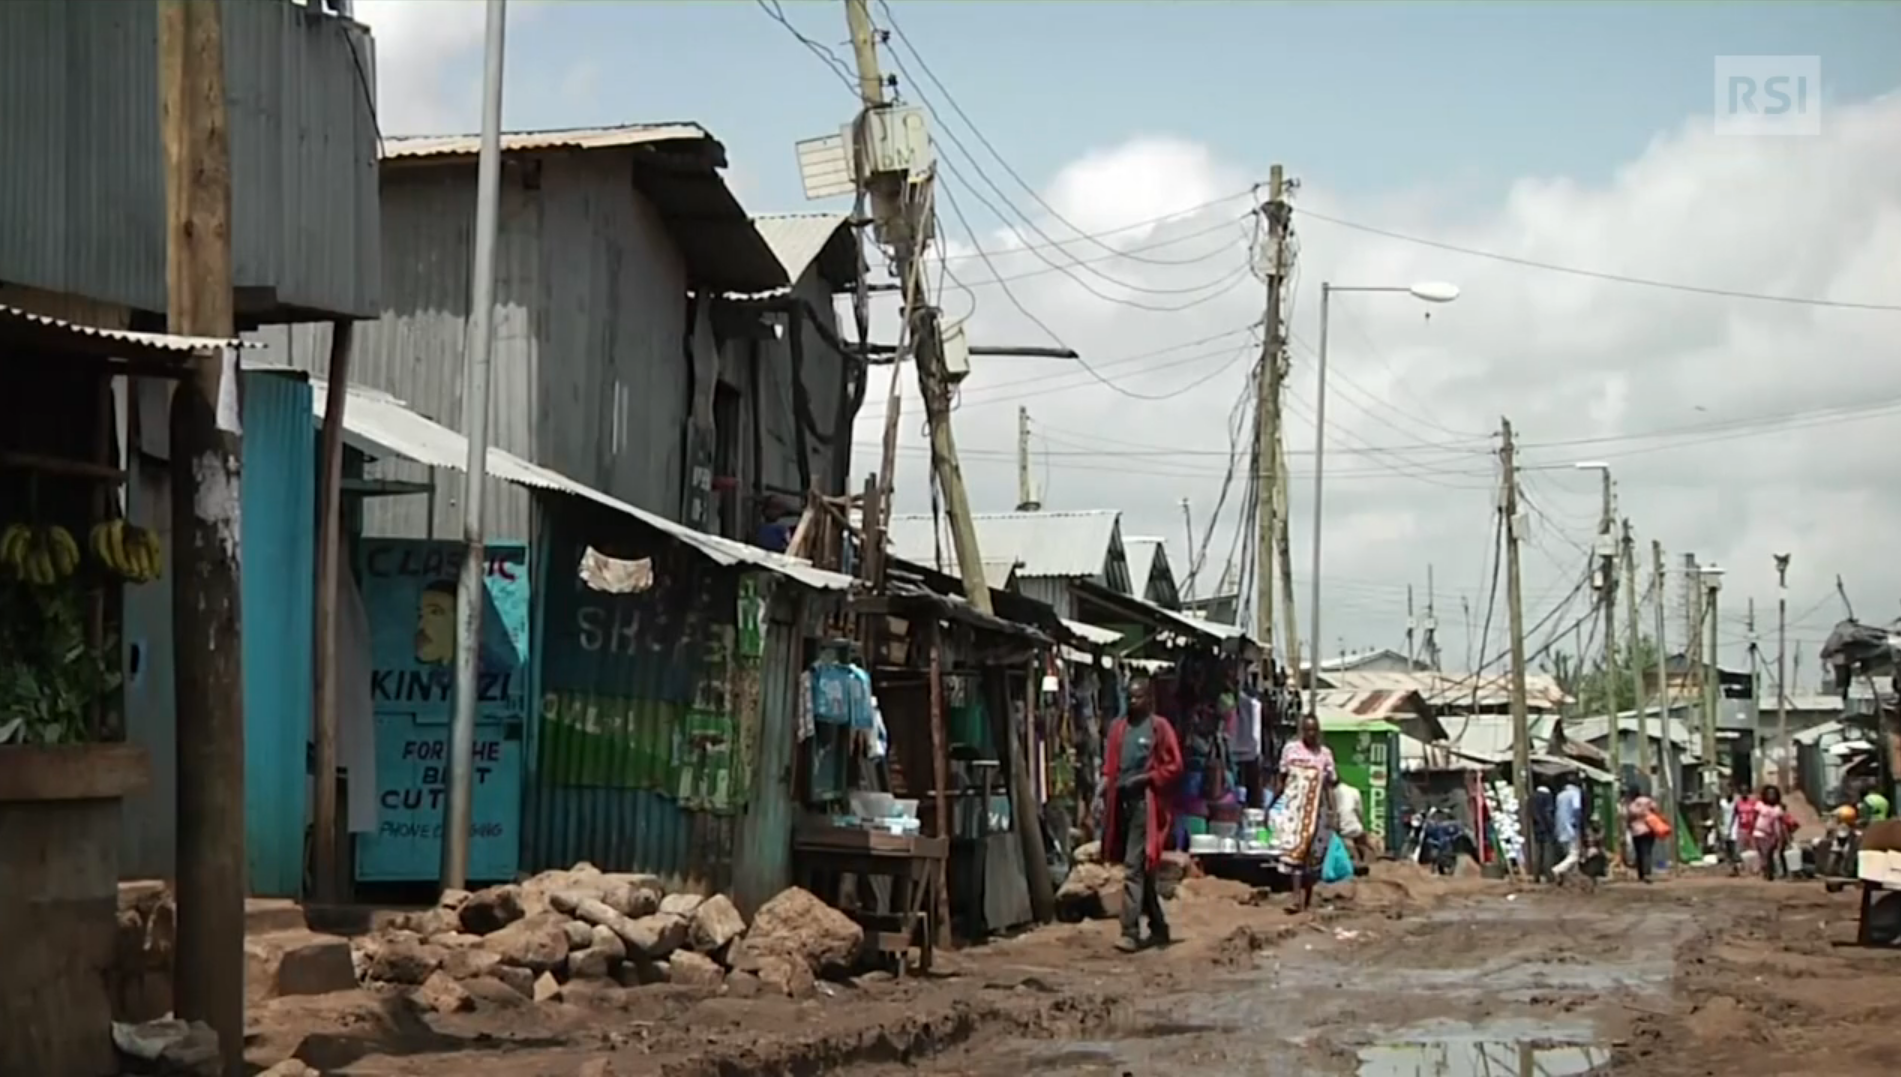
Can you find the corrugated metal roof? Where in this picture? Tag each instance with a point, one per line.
(570, 138)
(1141, 554)
(1376, 703)
(799, 239)
(91, 339)
(1102, 637)
(379, 424)
(1042, 544)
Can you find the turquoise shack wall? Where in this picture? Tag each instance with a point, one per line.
(278, 534)
(644, 745)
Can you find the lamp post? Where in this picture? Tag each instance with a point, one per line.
(1425, 291)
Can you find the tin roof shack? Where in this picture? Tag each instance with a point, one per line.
(82, 181)
(783, 363)
(1053, 552)
(613, 243)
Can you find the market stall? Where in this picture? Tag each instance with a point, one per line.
(68, 553)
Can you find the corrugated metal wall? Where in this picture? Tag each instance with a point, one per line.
(639, 756)
(279, 537)
(1052, 591)
(589, 374)
(762, 862)
(79, 120)
(823, 371)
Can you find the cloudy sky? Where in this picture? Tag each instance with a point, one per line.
(1101, 158)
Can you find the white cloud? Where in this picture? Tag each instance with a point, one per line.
(417, 44)
(1581, 365)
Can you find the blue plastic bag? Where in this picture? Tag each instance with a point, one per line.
(1338, 866)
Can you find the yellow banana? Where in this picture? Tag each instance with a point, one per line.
(41, 564)
(13, 544)
(115, 544)
(64, 552)
(97, 540)
(155, 555)
(147, 564)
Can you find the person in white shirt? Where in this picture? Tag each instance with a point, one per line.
(1347, 814)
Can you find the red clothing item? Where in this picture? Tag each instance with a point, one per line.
(1165, 768)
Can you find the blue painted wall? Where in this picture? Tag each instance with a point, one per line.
(279, 547)
(408, 591)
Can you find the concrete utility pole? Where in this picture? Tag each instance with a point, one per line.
(472, 584)
(1629, 551)
(1784, 769)
(1026, 495)
(1267, 408)
(1669, 756)
(1755, 676)
(902, 207)
(1290, 619)
(206, 450)
(1693, 632)
(1515, 607)
(1432, 623)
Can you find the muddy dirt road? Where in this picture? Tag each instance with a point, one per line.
(1406, 975)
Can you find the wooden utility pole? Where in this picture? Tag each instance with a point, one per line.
(208, 971)
(1432, 622)
(1629, 551)
(1784, 765)
(1267, 403)
(1668, 754)
(323, 806)
(1411, 628)
(1290, 621)
(1193, 562)
(902, 208)
(1515, 607)
(1712, 680)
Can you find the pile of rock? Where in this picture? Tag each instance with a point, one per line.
(1093, 889)
(533, 939)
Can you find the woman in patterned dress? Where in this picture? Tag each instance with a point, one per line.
(1311, 754)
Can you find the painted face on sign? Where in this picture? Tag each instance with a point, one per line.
(435, 625)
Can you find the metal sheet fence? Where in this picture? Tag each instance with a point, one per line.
(642, 754)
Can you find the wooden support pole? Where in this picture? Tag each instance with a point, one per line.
(940, 779)
(329, 882)
(208, 975)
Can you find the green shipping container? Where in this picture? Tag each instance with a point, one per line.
(1366, 753)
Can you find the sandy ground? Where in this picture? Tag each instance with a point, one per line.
(1404, 973)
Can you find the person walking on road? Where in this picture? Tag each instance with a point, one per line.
(1544, 821)
(1306, 781)
(1639, 813)
(1728, 837)
(1140, 766)
(1770, 832)
(1567, 826)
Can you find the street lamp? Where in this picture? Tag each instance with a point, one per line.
(1424, 291)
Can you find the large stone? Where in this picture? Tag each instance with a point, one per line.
(440, 993)
(550, 890)
(681, 905)
(640, 972)
(429, 922)
(515, 978)
(488, 911)
(292, 1067)
(1091, 892)
(456, 940)
(653, 937)
(688, 969)
(716, 923)
(590, 964)
(596, 911)
(607, 939)
(798, 924)
(471, 963)
(547, 988)
(632, 899)
(742, 985)
(580, 935)
(404, 960)
(538, 943)
(787, 975)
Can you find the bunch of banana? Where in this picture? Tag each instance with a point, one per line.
(38, 555)
(132, 552)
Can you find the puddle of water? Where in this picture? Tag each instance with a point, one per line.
(1477, 1058)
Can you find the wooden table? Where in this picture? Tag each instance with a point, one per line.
(915, 864)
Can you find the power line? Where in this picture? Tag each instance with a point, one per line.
(831, 59)
(1616, 278)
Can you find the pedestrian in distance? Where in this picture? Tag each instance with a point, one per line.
(1544, 838)
(1771, 830)
(1567, 826)
(1306, 781)
(1140, 768)
(1641, 823)
(1729, 839)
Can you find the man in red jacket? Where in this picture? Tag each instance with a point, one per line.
(1140, 766)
